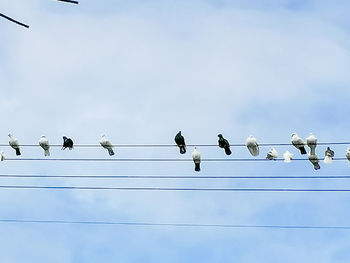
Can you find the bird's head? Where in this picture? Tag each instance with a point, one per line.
(64, 138)
(220, 135)
(293, 134)
(10, 135)
(43, 136)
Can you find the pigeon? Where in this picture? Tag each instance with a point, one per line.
(272, 154)
(105, 143)
(44, 143)
(252, 145)
(14, 144)
(328, 156)
(2, 156)
(312, 143)
(196, 156)
(67, 143)
(314, 160)
(298, 143)
(180, 141)
(287, 157)
(223, 143)
(347, 154)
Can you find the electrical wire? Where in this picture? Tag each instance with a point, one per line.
(174, 176)
(35, 221)
(69, 1)
(13, 20)
(171, 189)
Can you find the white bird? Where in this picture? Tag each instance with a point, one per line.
(347, 154)
(44, 143)
(287, 157)
(196, 156)
(2, 156)
(272, 154)
(314, 160)
(252, 145)
(298, 143)
(105, 143)
(14, 144)
(312, 143)
(328, 156)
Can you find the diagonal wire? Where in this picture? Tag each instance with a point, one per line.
(13, 20)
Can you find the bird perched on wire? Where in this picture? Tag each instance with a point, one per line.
(314, 160)
(2, 156)
(298, 143)
(44, 143)
(272, 154)
(180, 141)
(14, 144)
(196, 156)
(105, 143)
(287, 156)
(67, 143)
(311, 141)
(328, 156)
(347, 154)
(223, 143)
(252, 145)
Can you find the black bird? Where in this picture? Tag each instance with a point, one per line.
(67, 143)
(180, 141)
(223, 143)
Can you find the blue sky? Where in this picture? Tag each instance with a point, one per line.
(139, 71)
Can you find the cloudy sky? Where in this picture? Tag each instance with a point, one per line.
(140, 71)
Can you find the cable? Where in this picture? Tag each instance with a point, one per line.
(13, 20)
(69, 1)
(172, 189)
(173, 176)
(158, 159)
(173, 145)
(325, 227)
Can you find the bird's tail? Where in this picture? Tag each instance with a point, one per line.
(71, 148)
(197, 167)
(111, 152)
(18, 152)
(302, 150)
(47, 152)
(228, 151)
(182, 149)
(317, 166)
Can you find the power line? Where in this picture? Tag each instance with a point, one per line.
(13, 20)
(172, 189)
(69, 1)
(34, 221)
(173, 145)
(174, 176)
(158, 159)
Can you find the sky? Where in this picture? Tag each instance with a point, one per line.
(140, 71)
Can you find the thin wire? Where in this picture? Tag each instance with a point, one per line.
(172, 189)
(69, 1)
(173, 145)
(13, 20)
(35, 221)
(172, 176)
(156, 159)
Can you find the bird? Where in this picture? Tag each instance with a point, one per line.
(298, 143)
(196, 156)
(272, 154)
(67, 143)
(44, 143)
(252, 145)
(347, 154)
(2, 156)
(328, 156)
(311, 141)
(180, 141)
(223, 143)
(314, 160)
(14, 144)
(105, 143)
(287, 157)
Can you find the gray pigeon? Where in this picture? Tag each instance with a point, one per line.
(311, 141)
(14, 144)
(252, 145)
(272, 154)
(298, 143)
(328, 156)
(223, 143)
(105, 143)
(314, 160)
(44, 143)
(196, 156)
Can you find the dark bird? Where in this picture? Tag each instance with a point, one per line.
(180, 141)
(223, 143)
(67, 143)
